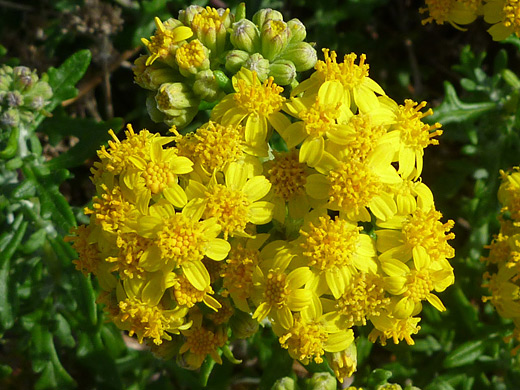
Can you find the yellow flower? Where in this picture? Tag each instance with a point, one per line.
(157, 174)
(509, 193)
(343, 363)
(360, 89)
(187, 295)
(454, 12)
(310, 337)
(335, 249)
(115, 159)
(288, 177)
(323, 116)
(88, 252)
(352, 187)
(237, 271)
(277, 293)
(505, 294)
(364, 297)
(412, 136)
(201, 341)
(180, 242)
(210, 27)
(420, 235)
(504, 15)
(256, 105)
(233, 204)
(212, 147)
(150, 321)
(165, 39)
(131, 248)
(388, 327)
(192, 57)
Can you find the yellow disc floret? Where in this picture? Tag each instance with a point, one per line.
(263, 99)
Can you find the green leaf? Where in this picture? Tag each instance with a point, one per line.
(453, 110)
(467, 353)
(91, 135)
(378, 377)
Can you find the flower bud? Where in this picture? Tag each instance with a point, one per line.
(177, 102)
(23, 77)
(283, 72)
(235, 59)
(390, 386)
(210, 27)
(152, 76)
(298, 31)
(322, 381)
(245, 36)
(206, 86)
(38, 96)
(258, 64)
(260, 17)
(343, 363)
(13, 98)
(9, 118)
(192, 57)
(243, 325)
(172, 24)
(186, 15)
(285, 383)
(274, 37)
(301, 54)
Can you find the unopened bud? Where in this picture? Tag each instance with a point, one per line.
(152, 76)
(23, 77)
(298, 31)
(243, 325)
(274, 37)
(258, 64)
(186, 16)
(322, 381)
(9, 118)
(177, 102)
(206, 86)
(285, 383)
(235, 59)
(343, 363)
(301, 54)
(390, 386)
(192, 57)
(13, 99)
(283, 72)
(260, 17)
(210, 27)
(245, 36)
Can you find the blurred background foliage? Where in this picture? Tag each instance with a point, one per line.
(51, 333)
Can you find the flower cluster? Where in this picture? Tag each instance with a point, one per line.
(503, 276)
(197, 239)
(191, 58)
(503, 15)
(22, 96)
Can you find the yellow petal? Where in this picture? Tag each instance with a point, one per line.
(256, 188)
(176, 195)
(312, 150)
(261, 212)
(217, 249)
(197, 274)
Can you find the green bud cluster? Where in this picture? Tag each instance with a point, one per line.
(192, 58)
(22, 96)
(271, 47)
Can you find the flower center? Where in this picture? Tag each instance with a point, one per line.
(424, 229)
(112, 210)
(213, 145)
(237, 272)
(181, 239)
(287, 175)
(202, 341)
(353, 185)
(89, 255)
(305, 340)
(261, 99)
(131, 248)
(512, 14)
(349, 74)
(158, 176)
(209, 19)
(319, 119)
(415, 133)
(190, 55)
(187, 295)
(364, 297)
(229, 207)
(365, 138)
(419, 285)
(276, 291)
(330, 243)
